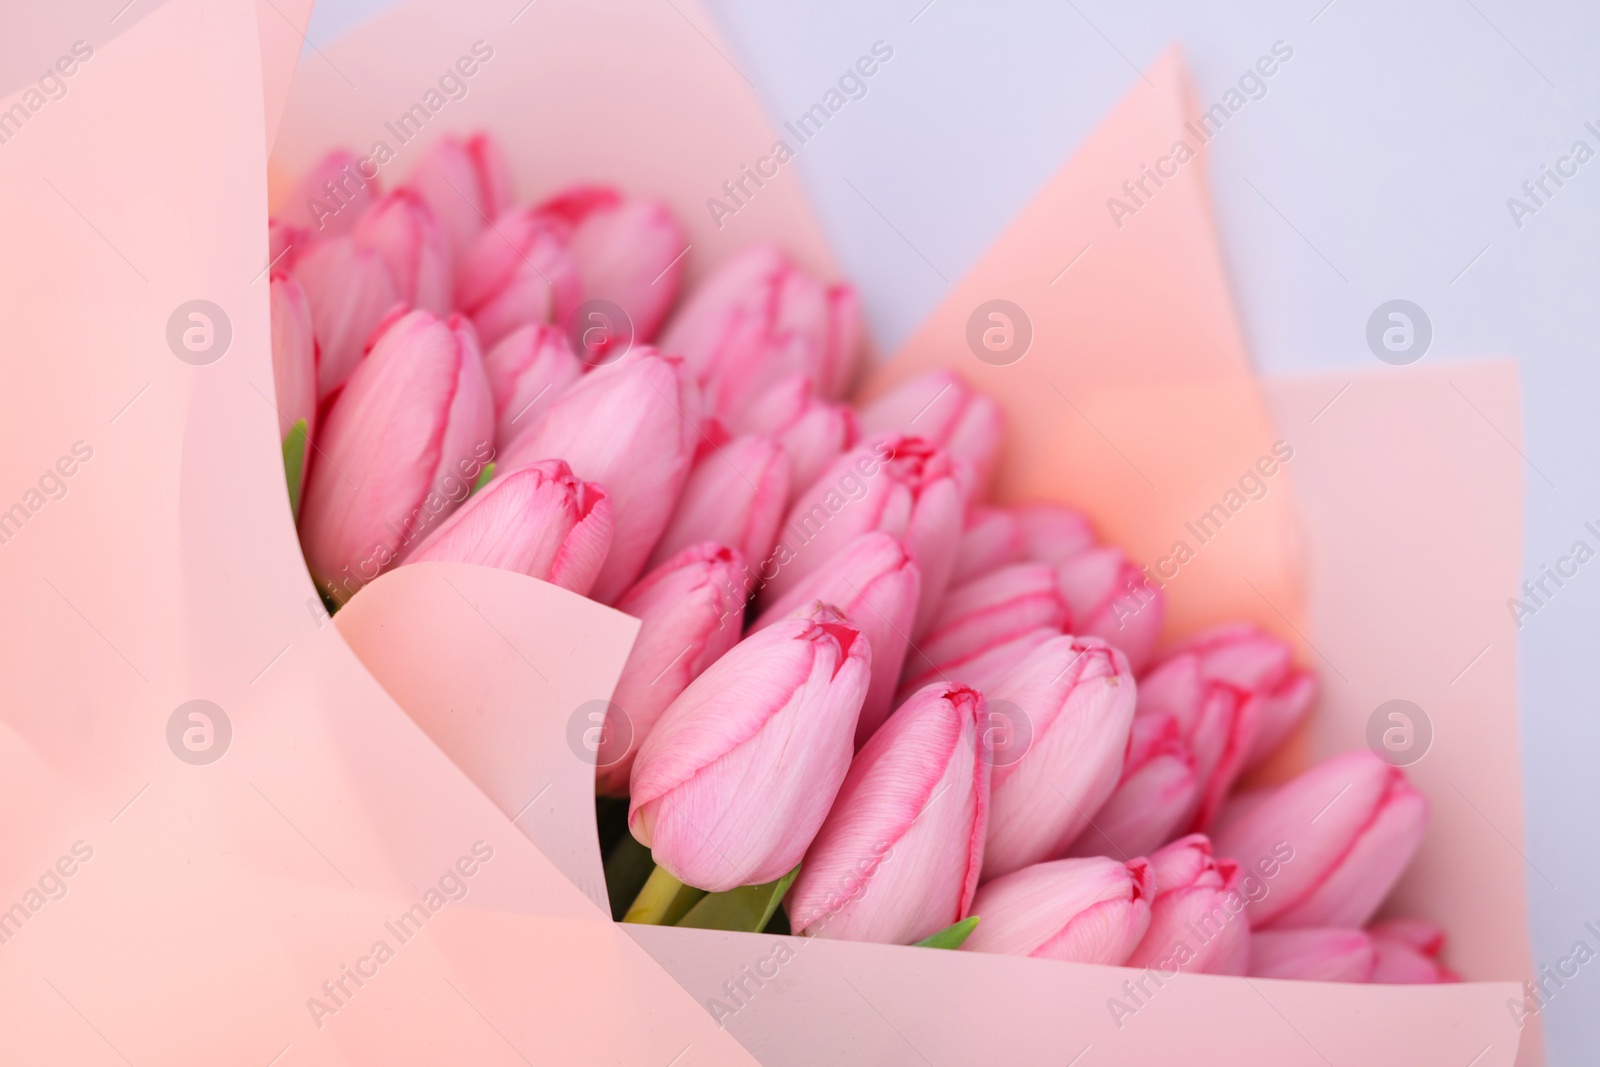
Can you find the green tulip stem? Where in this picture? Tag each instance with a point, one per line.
(663, 900)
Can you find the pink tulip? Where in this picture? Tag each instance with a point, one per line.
(467, 184)
(294, 355)
(735, 780)
(813, 431)
(403, 231)
(1053, 533)
(1352, 822)
(351, 291)
(735, 495)
(689, 611)
(537, 520)
(399, 448)
(1221, 687)
(993, 609)
(1075, 697)
(896, 484)
(1112, 599)
(898, 856)
(990, 539)
(629, 251)
(285, 243)
(945, 411)
(1248, 659)
(1313, 954)
(759, 318)
(1153, 799)
(1406, 952)
(1092, 910)
(332, 195)
(518, 271)
(875, 583)
(529, 370)
(630, 426)
(1197, 920)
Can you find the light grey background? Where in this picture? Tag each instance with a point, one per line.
(1378, 166)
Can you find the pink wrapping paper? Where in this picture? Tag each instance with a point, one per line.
(235, 889)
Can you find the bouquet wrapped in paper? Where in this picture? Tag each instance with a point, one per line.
(1046, 667)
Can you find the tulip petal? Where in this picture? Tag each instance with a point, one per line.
(1314, 955)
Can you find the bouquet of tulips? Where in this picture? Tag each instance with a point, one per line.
(863, 702)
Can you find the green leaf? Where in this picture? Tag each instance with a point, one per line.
(294, 463)
(951, 936)
(747, 908)
(483, 477)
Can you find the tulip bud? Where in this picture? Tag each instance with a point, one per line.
(1153, 800)
(760, 318)
(1092, 910)
(1254, 662)
(350, 291)
(332, 195)
(467, 184)
(898, 856)
(812, 431)
(875, 583)
(946, 412)
(538, 520)
(629, 426)
(1112, 599)
(399, 448)
(1197, 920)
(1406, 952)
(1313, 954)
(1221, 687)
(629, 251)
(991, 538)
(294, 355)
(1351, 823)
(1075, 697)
(735, 780)
(689, 611)
(519, 270)
(402, 230)
(529, 369)
(735, 495)
(990, 610)
(898, 485)
(1053, 533)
